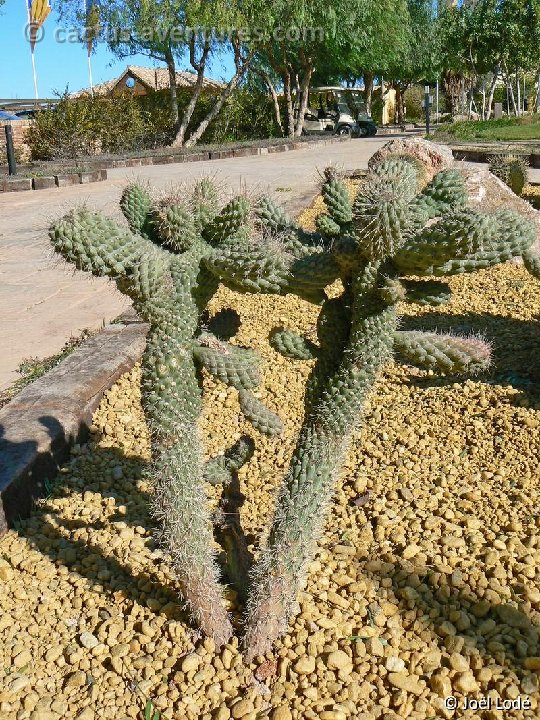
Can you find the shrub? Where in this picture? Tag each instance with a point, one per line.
(75, 128)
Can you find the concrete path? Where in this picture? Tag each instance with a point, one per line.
(43, 302)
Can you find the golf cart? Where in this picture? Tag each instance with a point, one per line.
(340, 111)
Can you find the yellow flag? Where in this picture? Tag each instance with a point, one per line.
(38, 12)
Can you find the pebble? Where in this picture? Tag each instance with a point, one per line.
(465, 683)
(390, 597)
(305, 665)
(281, 713)
(339, 660)
(395, 664)
(190, 662)
(409, 683)
(88, 640)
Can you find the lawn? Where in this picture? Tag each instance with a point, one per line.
(505, 129)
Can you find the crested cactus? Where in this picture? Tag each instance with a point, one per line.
(159, 262)
(511, 169)
(396, 226)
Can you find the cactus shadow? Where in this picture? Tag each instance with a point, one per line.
(515, 346)
(436, 606)
(100, 546)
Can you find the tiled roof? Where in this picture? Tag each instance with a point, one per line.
(153, 78)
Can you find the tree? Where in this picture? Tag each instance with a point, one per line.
(489, 38)
(333, 43)
(168, 31)
(419, 59)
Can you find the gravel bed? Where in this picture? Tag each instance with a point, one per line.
(427, 579)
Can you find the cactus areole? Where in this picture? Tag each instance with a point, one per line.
(398, 225)
(158, 261)
(408, 226)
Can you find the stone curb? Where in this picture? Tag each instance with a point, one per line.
(97, 171)
(484, 156)
(47, 182)
(38, 427)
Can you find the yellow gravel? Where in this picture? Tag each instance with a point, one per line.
(426, 583)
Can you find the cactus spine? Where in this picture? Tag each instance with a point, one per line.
(512, 170)
(396, 226)
(159, 263)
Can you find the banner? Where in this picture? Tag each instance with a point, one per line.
(38, 12)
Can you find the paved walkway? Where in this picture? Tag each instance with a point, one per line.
(43, 301)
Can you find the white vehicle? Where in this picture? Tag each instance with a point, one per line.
(341, 111)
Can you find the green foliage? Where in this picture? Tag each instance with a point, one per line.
(83, 127)
(508, 128)
(86, 126)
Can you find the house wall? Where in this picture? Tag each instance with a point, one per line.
(19, 128)
(138, 89)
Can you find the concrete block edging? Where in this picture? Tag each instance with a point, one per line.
(40, 425)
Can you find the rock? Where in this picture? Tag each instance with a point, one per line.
(339, 660)
(375, 647)
(88, 640)
(281, 713)
(6, 571)
(395, 664)
(86, 714)
(222, 713)
(19, 684)
(409, 683)
(432, 661)
(305, 665)
(332, 715)
(147, 629)
(120, 650)
(465, 683)
(242, 708)
(410, 551)
(23, 659)
(441, 685)
(509, 615)
(191, 662)
(532, 663)
(458, 662)
(76, 679)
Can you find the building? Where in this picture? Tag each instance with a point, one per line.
(143, 80)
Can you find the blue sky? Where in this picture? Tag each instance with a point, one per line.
(59, 64)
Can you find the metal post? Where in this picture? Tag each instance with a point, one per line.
(12, 165)
(437, 105)
(426, 107)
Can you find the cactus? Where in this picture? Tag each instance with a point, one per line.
(511, 169)
(165, 275)
(396, 226)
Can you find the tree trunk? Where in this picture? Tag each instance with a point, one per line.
(518, 93)
(287, 89)
(510, 92)
(275, 100)
(216, 108)
(304, 97)
(537, 100)
(368, 91)
(489, 103)
(200, 67)
(171, 67)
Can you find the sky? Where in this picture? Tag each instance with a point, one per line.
(60, 64)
